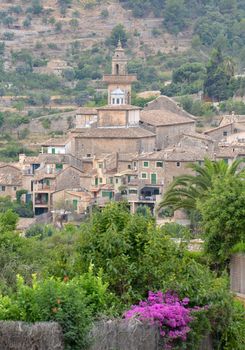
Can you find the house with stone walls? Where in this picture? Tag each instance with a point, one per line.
(10, 180)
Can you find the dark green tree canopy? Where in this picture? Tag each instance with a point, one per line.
(220, 72)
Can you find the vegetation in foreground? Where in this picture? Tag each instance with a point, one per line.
(111, 262)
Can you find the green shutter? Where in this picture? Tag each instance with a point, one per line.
(74, 203)
(153, 179)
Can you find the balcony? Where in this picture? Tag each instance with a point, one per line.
(43, 187)
(41, 200)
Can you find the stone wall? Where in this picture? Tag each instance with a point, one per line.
(23, 336)
(218, 133)
(170, 134)
(68, 179)
(237, 273)
(98, 146)
(58, 122)
(131, 335)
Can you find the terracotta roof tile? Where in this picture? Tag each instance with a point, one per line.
(119, 108)
(163, 117)
(126, 133)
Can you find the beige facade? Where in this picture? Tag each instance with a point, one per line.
(68, 178)
(124, 141)
(75, 201)
(221, 132)
(10, 180)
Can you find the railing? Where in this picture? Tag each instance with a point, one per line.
(41, 202)
(43, 187)
(147, 198)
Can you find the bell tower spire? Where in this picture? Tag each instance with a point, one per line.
(119, 82)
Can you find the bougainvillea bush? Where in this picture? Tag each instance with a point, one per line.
(171, 314)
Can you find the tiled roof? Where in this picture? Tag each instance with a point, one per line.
(162, 117)
(86, 111)
(127, 157)
(185, 155)
(198, 136)
(157, 155)
(110, 133)
(217, 128)
(8, 179)
(119, 108)
(59, 141)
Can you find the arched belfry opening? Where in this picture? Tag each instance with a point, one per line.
(119, 81)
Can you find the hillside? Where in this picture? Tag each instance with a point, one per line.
(53, 53)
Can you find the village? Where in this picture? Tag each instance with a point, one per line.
(119, 152)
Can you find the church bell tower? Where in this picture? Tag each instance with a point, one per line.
(119, 82)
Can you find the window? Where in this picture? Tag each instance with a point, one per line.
(15, 188)
(58, 166)
(88, 155)
(178, 164)
(113, 101)
(153, 179)
(146, 164)
(53, 150)
(118, 101)
(143, 175)
(225, 133)
(111, 180)
(159, 164)
(116, 181)
(132, 191)
(129, 166)
(2, 188)
(74, 203)
(100, 180)
(100, 165)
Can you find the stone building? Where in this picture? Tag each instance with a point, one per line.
(10, 180)
(167, 126)
(116, 127)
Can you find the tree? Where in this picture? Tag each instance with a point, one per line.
(218, 82)
(175, 16)
(188, 73)
(118, 33)
(223, 218)
(185, 190)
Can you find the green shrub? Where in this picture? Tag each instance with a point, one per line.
(71, 303)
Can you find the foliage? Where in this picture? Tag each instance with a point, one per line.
(175, 16)
(223, 218)
(238, 248)
(197, 107)
(185, 190)
(71, 303)
(129, 253)
(13, 150)
(234, 335)
(238, 107)
(168, 312)
(118, 33)
(176, 230)
(218, 82)
(39, 231)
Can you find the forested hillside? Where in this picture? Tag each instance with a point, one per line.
(165, 40)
